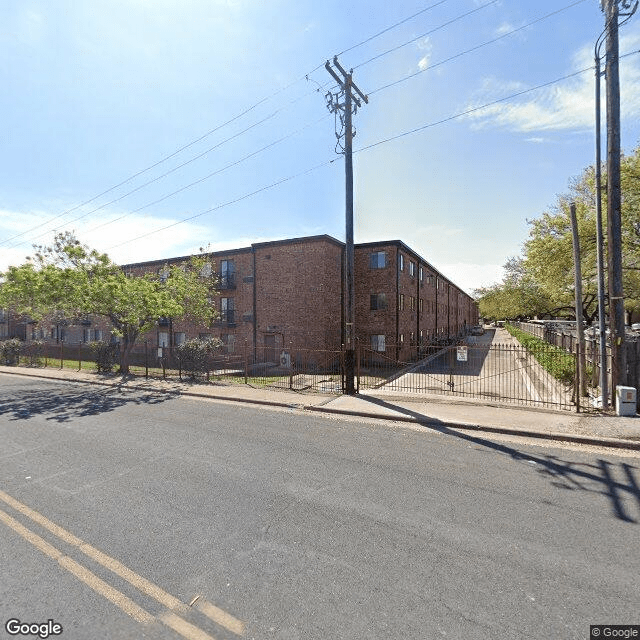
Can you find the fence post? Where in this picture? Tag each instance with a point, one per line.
(357, 366)
(164, 364)
(79, 356)
(146, 360)
(246, 363)
(290, 364)
(61, 355)
(578, 391)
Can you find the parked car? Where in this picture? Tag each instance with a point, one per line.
(478, 330)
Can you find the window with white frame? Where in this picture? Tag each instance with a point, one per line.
(412, 269)
(378, 342)
(179, 337)
(401, 263)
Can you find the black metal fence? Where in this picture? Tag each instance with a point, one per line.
(492, 372)
(506, 373)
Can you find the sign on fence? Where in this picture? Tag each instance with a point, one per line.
(462, 354)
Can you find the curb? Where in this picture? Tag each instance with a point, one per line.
(441, 426)
(435, 424)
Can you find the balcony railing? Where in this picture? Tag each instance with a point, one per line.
(226, 281)
(227, 318)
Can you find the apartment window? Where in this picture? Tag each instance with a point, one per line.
(421, 274)
(401, 262)
(378, 343)
(227, 309)
(378, 260)
(378, 301)
(412, 338)
(97, 335)
(204, 336)
(163, 338)
(412, 303)
(179, 337)
(163, 274)
(206, 270)
(412, 269)
(401, 339)
(401, 302)
(227, 274)
(86, 335)
(421, 305)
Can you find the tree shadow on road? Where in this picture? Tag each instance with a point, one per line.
(63, 404)
(616, 481)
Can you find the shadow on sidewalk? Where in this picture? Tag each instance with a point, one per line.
(598, 478)
(66, 403)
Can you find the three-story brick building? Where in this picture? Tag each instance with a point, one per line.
(275, 295)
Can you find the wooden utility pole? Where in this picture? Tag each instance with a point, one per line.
(346, 109)
(614, 198)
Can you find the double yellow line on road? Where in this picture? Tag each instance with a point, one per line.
(172, 604)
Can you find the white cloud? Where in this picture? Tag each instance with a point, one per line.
(505, 27)
(179, 240)
(426, 47)
(564, 106)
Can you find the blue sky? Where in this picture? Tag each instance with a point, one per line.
(213, 96)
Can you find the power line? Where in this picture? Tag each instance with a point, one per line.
(474, 109)
(386, 30)
(279, 110)
(208, 176)
(226, 204)
(428, 33)
(368, 147)
(207, 134)
(472, 49)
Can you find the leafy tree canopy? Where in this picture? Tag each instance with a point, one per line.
(540, 282)
(70, 280)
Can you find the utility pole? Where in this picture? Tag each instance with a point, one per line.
(342, 104)
(614, 197)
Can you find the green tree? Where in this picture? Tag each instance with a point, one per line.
(68, 279)
(548, 256)
(517, 297)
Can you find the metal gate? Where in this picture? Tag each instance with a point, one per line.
(507, 373)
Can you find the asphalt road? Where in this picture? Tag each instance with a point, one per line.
(118, 509)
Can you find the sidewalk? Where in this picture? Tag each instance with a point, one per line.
(438, 412)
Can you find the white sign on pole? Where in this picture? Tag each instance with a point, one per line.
(462, 354)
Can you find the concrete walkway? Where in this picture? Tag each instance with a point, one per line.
(432, 411)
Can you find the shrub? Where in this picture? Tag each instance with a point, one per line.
(105, 355)
(560, 364)
(194, 356)
(10, 351)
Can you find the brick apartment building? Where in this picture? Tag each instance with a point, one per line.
(275, 295)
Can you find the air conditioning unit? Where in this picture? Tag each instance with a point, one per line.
(285, 360)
